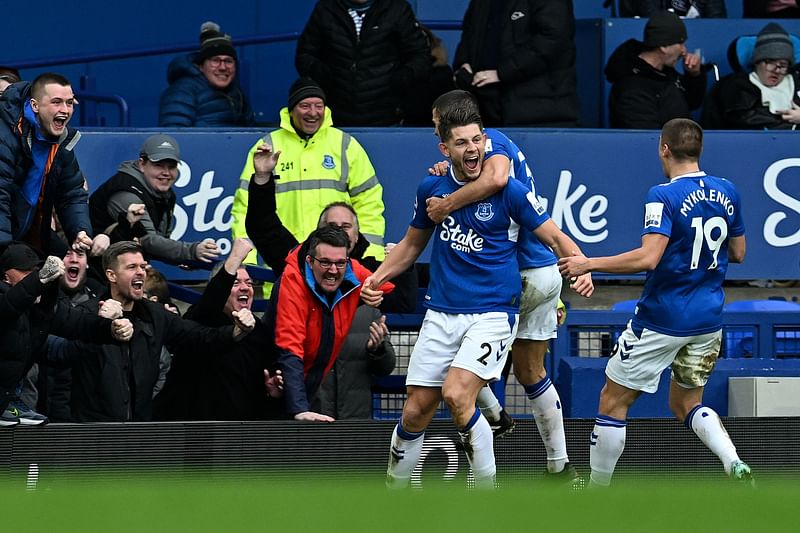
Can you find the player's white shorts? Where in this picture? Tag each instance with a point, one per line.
(541, 288)
(476, 342)
(637, 362)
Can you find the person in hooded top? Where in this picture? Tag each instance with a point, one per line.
(147, 183)
(203, 87)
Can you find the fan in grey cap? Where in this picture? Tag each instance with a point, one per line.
(148, 181)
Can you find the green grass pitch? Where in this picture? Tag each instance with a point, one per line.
(298, 502)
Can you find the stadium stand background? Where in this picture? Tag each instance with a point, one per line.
(117, 52)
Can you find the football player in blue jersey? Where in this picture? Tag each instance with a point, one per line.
(692, 228)
(541, 288)
(473, 298)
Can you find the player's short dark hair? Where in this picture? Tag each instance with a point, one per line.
(457, 118)
(684, 138)
(38, 84)
(330, 235)
(117, 249)
(455, 99)
(330, 206)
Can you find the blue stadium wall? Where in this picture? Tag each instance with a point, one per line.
(593, 181)
(93, 27)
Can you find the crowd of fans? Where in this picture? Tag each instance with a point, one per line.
(89, 334)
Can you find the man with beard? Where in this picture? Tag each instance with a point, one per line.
(114, 383)
(473, 298)
(233, 384)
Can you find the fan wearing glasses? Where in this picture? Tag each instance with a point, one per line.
(765, 98)
(315, 302)
(203, 87)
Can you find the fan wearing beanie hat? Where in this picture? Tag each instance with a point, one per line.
(773, 56)
(773, 43)
(217, 57)
(304, 88)
(647, 89)
(214, 43)
(664, 29)
(204, 88)
(306, 106)
(765, 98)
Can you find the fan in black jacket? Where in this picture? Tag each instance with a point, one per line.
(228, 384)
(366, 70)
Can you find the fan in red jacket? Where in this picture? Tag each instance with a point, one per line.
(315, 301)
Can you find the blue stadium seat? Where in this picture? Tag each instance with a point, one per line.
(739, 340)
(757, 306)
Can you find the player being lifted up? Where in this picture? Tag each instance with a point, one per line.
(472, 300)
(692, 228)
(541, 288)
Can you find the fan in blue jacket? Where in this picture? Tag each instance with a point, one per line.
(203, 87)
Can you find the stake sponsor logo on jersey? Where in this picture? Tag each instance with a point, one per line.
(464, 242)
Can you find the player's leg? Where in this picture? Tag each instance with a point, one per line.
(409, 434)
(437, 343)
(639, 358)
(480, 359)
(499, 420)
(690, 372)
(541, 288)
(459, 392)
(607, 441)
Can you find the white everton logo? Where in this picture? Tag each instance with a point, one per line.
(484, 212)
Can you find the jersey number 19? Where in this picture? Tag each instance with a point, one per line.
(704, 233)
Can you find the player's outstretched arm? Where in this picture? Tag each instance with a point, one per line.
(563, 246)
(642, 259)
(493, 177)
(403, 255)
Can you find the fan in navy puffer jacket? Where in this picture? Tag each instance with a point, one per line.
(190, 101)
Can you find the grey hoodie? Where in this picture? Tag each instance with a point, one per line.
(157, 243)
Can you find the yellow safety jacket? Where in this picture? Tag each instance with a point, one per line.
(329, 167)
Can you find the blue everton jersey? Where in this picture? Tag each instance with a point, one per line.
(683, 296)
(530, 253)
(473, 262)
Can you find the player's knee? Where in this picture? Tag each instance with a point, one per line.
(413, 417)
(455, 399)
